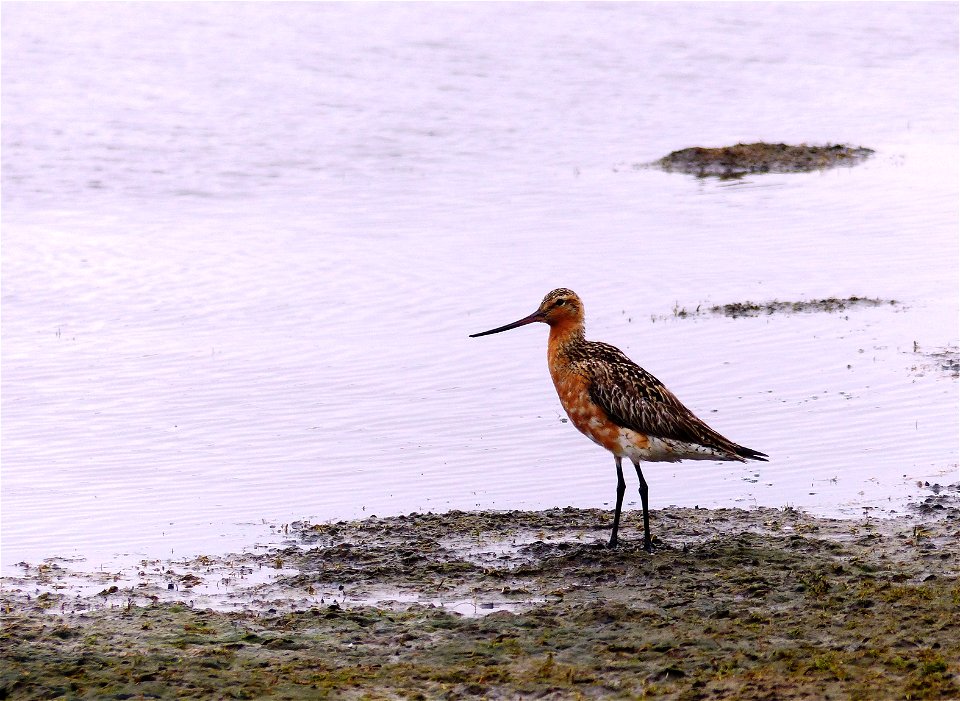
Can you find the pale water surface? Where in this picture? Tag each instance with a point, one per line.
(244, 244)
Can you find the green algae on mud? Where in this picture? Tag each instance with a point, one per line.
(766, 603)
(742, 159)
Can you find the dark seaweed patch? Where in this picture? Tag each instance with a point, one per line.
(743, 159)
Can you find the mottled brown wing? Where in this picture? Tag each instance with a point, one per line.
(635, 399)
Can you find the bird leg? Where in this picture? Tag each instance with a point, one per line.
(621, 488)
(647, 543)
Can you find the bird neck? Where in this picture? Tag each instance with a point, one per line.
(564, 335)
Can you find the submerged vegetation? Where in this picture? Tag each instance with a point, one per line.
(742, 159)
(733, 604)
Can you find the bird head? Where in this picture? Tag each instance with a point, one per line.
(559, 307)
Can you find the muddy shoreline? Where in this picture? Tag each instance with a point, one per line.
(742, 159)
(758, 604)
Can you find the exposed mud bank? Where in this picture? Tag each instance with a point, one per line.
(828, 304)
(742, 159)
(767, 603)
(945, 360)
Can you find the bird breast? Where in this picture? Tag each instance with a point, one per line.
(592, 421)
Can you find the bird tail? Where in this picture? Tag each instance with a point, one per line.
(749, 453)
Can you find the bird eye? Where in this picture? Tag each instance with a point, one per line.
(560, 302)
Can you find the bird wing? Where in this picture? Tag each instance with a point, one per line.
(635, 399)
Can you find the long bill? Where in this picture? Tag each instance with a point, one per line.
(536, 316)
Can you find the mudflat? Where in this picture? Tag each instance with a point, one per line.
(742, 159)
(747, 604)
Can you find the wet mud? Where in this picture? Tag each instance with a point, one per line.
(741, 309)
(944, 360)
(742, 159)
(759, 604)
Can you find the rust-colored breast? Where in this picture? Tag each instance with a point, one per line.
(589, 418)
(574, 369)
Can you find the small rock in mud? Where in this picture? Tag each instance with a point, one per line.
(739, 160)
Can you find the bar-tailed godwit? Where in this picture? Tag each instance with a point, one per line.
(619, 405)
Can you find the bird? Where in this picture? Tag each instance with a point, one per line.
(619, 405)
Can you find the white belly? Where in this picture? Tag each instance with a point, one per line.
(630, 444)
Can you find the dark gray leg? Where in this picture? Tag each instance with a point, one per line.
(621, 488)
(647, 543)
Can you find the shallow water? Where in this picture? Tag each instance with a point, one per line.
(243, 246)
